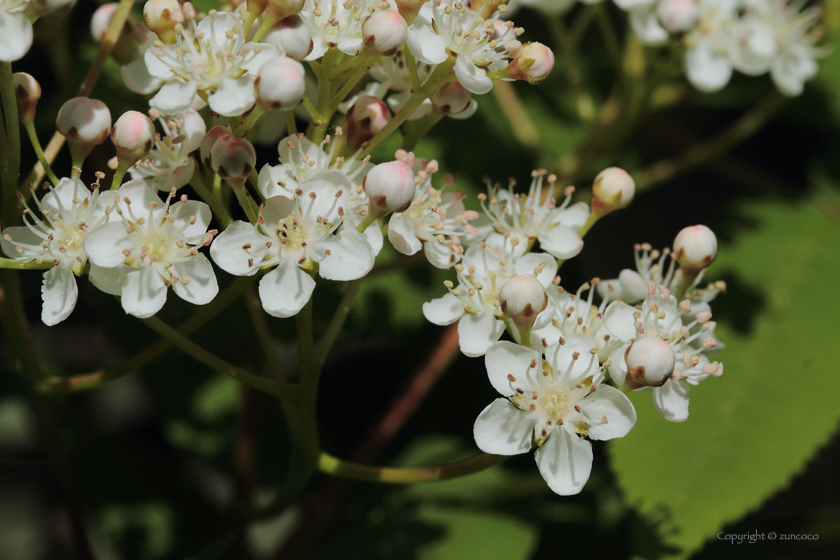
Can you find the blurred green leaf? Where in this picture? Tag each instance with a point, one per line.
(753, 429)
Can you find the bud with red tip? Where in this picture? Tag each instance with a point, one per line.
(291, 34)
(451, 99)
(161, 16)
(613, 189)
(695, 248)
(233, 159)
(27, 93)
(280, 84)
(366, 117)
(209, 141)
(532, 62)
(678, 16)
(85, 122)
(384, 32)
(390, 187)
(134, 136)
(522, 299)
(650, 362)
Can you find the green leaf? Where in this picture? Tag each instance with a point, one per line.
(754, 428)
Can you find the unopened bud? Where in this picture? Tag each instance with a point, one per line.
(532, 63)
(678, 16)
(522, 299)
(233, 159)
(209, 141)
(133, 135)
(613, 189)
(384, 32)
(390, 187)
(695, 248)
(85, 122)
(291, 34)
(409, 9)
(451, 99)
(366, 117)
(27, 93)
(280, 84)
(161, 16)
(650, 362)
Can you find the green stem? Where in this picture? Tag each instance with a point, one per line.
(211, 360)
(337, 322)
(11, 157)
(88, 381)
(328, 464)
(29, 126)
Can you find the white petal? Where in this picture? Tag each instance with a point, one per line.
(565, 462)
(503, 429)
(137, 78)
(443, 311)
(473, 78)
(426, 45)
(285, 290)
(174, 97)
(202, 286)
(611, 403)
(143, 292)
(561, 242)
(401, 235)
(184, 212)
(477, 331)
(16, 30)
(351, 256)
(504, 359)
(108, 280)
(671, 400)
(619, 319)
(59, 293)
(229, 253)
(105, 245)
(234, 96)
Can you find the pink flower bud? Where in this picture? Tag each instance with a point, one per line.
(161, 16)
(292, 35)
(695, 248)
(209, 141)
(678, 16)
(27, 93)
(532, 63)
(522, 299)
(390, 186)
(133, 135)
(384, 32)
(409, 9)
(451, 99)
(366, 117)
(650, 362)
(85, 122)
(280, 84)
(233, 159)
(613, 188)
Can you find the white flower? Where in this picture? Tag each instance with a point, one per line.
(215, 60)
(70, 212)
(16, 30)
(169, 165)
(434, 222)
(337, 23)
(475, 301)
(555, 404)
(293, 235)
(443, 30)
(535, 216)
(153, 247)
